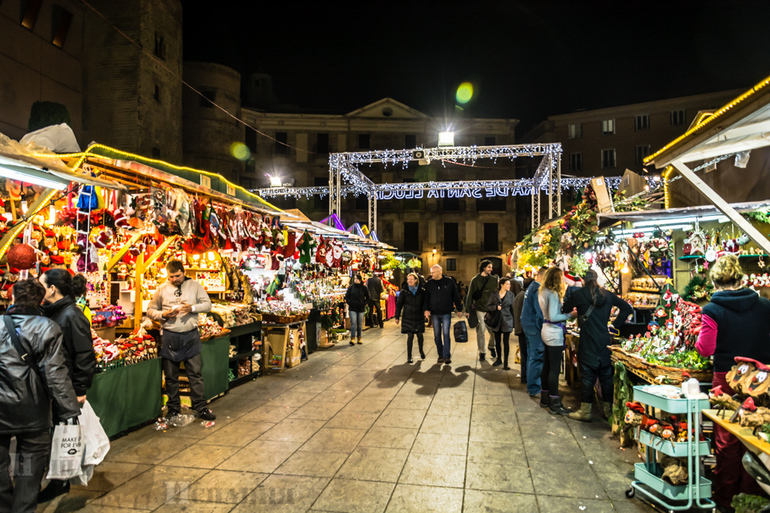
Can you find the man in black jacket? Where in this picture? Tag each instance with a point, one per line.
(442, 297)
(31, 381)
(375, 288)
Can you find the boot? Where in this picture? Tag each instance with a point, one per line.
(583, 414)
(54, 489)
(359, 341)
(544, 399)
(556, 408)
(607, 406)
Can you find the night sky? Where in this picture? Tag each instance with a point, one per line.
(526, 60)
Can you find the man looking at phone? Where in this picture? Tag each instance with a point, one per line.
(176, 305)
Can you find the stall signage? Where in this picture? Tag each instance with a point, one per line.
(230, 190)
(206, 181)
(490, 192)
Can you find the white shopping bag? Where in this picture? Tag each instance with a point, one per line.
(96, 442)
(66, 452)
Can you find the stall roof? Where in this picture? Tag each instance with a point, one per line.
(741, 125)
(610, 218)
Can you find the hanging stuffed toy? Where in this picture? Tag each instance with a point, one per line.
(306, 244)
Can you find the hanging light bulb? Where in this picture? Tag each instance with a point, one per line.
(624, 269)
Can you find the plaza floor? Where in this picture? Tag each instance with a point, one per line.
(356, 429)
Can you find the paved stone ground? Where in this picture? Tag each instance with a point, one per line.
(355, 429)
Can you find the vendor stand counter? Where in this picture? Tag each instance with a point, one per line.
(276, 353)
(744, 434)
(247, 340)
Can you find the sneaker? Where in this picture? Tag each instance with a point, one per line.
(447, 361)
(409, 360)
(206, 414)
(440, 360)
(482, 357)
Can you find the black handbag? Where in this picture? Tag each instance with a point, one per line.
(460, 332)
(493, 320)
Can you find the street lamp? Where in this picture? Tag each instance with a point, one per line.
(275, 181)
(446, 139)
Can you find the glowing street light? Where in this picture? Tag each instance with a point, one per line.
(446, 139)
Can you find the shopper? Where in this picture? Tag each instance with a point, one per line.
(357, 298)
(735, 323)
(481, 287)
(410, 306)
(59, 305)
(375, 289)
(518, 330)
(176, 305)
(502, 301)
(79, 290)
(532, 323)
(550, 298)
(594, 306)
(441, 298)
(32, 383)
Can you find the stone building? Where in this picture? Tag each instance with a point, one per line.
(41, 58)
(462, 231)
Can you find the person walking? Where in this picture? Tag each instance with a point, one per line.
(60, 305)
(441, 298)
(480, 288)
(375, 289)
(735, 323)
(552, 333)
(502, 302)
(532, 323)
(176, 305)
(410, 306)
(357, 297)
(594, 306)
(518, 330)
(34, 377)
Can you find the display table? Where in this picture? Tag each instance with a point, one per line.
(744, 434)
(125, 397)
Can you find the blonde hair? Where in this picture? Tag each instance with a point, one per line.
(726, 272)
(553, 281)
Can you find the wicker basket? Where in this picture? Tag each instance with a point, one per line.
(673, 375)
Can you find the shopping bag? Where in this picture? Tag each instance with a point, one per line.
(66, 452)
(461, 332)
(96, 444)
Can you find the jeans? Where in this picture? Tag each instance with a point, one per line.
(481, 332)
(442, 323)
(551, 368)
(192, 367)
(504, 349)
(409, 342)
(523, 353)
(356, 324)
(588, 377)
(535, 355)
(32, 450)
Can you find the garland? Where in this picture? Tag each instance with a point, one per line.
(698, 289)
(761, 216)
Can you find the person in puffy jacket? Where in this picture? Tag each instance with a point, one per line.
(502, 301)
(410, 306)
(593, 351)
(735, 323)
(29, 387)
(357, 297)
(518, 329)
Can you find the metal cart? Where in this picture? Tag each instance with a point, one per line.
(648, 476)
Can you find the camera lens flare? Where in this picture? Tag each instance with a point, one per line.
(464, 93)
(240, 151)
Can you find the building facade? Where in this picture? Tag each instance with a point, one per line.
(41, 58)
(462, 231)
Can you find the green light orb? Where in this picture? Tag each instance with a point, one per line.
(240, 151)
(464, 92)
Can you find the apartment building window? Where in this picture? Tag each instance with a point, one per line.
(489, 141)
(247, 182)
(363, 141)
(575, 130)
(490, 204)
(678, 117)
(451, 264)
(206, 101)
(451, 237)
(641, 152)
(642, 122)
(251, 140)
(29, 11)
(410, 141)
(575, 161)
(318, 202)
(160, 46)
(490, 237)
(608, 126)
(156, 94)
(61, 19)
(322, 143)
(281, 139)
(451, 204)
(411, 236)
(608, 158)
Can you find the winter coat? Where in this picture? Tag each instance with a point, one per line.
(531, 314)
(742, 322)
(594, 337)
(26, 395)
(442, 296)
(357, 297)
(410, 309)
(76, 332)
(506, 310)
(518, 306)
(375, 288)
(487, 285)
(550, 304)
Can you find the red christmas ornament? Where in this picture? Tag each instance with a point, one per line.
(22, 256)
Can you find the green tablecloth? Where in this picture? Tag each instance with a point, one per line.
(126, 397)
(215, 358)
